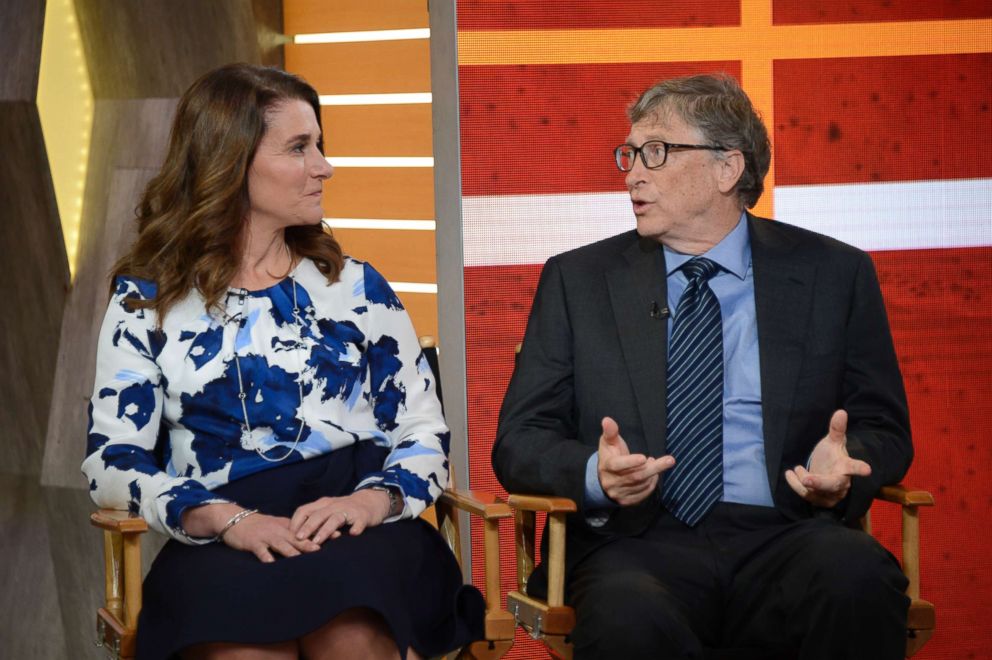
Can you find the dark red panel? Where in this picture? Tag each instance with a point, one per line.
(569, 14)
(497, 302)
(528, 129)
(852, 120)
(869, 11)
(940, 308)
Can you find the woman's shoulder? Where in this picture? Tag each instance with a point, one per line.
(131, 287)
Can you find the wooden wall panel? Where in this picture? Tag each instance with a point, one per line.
(377, 130)
(383, 192)
(33, 289)
(422, 308)
(156, 48)
(308, 16)
(21, 27)
(363, 68)
(400, 255)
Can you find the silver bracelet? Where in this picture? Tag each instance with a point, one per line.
(234, 520)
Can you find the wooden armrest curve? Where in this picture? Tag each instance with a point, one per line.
(480, 503)
(114, 520)
(547, 503)
(904, 495)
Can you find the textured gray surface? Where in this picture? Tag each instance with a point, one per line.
(142, 54)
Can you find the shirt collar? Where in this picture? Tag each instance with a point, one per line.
(733, 253)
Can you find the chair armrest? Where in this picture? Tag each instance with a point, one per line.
(117, 621)
(910, 500)
(122, 522)
(900, 494)
(482, 504)
(525, 508)
(546, 503)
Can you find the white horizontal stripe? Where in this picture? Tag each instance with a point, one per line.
(369, 223)
(366, 35)
(413, 287)
(915, 215)
(528, 229)
(376, 99)
(381, 161)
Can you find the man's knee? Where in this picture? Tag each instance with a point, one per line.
(850, 566)
(630, 615)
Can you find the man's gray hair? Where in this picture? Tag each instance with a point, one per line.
(719, 108)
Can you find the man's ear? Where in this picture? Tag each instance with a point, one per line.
(731, 169)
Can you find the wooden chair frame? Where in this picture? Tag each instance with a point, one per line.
(551, 620)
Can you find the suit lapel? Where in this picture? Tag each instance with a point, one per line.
(783, 294)
(638, 294)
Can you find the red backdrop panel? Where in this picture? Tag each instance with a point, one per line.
(552, 128)
(864, 11)
(558, 14)
(852, 120)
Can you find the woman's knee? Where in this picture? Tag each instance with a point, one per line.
(358, 632)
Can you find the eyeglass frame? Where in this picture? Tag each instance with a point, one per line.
(668, 147)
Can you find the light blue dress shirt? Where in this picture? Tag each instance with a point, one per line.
(745, 479)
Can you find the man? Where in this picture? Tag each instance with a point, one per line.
(720, 395)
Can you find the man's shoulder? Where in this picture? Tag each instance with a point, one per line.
(599, 253)
(800, 241)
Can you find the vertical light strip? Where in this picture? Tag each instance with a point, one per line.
(65, 107)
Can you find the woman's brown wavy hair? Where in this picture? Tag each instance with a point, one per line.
(193, 214)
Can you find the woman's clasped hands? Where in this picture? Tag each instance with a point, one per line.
(311, 525)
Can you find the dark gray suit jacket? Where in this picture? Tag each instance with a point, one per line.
(593, 348)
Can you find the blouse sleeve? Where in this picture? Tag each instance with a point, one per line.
(125, 450)
(405, 402)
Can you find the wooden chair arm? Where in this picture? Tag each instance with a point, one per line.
(546, 503)
(525, 508)
(482, 504)
(900, 494)
(499, 622)
(117, 621)
(122, 522)
(910, 500)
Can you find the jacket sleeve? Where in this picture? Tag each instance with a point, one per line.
(125, 448)
(405, 403)
(873, 395)
(537, 449)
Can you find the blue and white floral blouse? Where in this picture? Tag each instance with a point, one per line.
(166, 422)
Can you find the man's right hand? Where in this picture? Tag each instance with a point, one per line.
(626, 478)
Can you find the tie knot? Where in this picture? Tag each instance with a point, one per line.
(700, 268)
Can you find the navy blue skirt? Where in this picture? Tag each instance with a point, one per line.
(402, 570)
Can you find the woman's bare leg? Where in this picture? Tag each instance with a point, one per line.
(355, 633)
(226, 651)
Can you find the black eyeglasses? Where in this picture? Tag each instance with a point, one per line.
(654, 153)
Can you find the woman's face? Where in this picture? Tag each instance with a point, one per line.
(286, 177)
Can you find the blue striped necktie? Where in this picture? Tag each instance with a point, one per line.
(695, 399)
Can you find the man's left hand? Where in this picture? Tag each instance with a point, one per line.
(828, 479)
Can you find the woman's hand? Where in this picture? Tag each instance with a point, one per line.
(327, 517)
(258, 533)
(262, 535)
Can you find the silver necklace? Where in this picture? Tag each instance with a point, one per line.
(242, 395)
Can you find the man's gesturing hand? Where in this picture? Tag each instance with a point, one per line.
(626, 478)
(828, 479)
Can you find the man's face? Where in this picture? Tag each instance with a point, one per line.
(673, 203)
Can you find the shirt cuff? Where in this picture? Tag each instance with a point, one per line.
(596, 505)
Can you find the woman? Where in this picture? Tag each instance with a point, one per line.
(262, 399)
